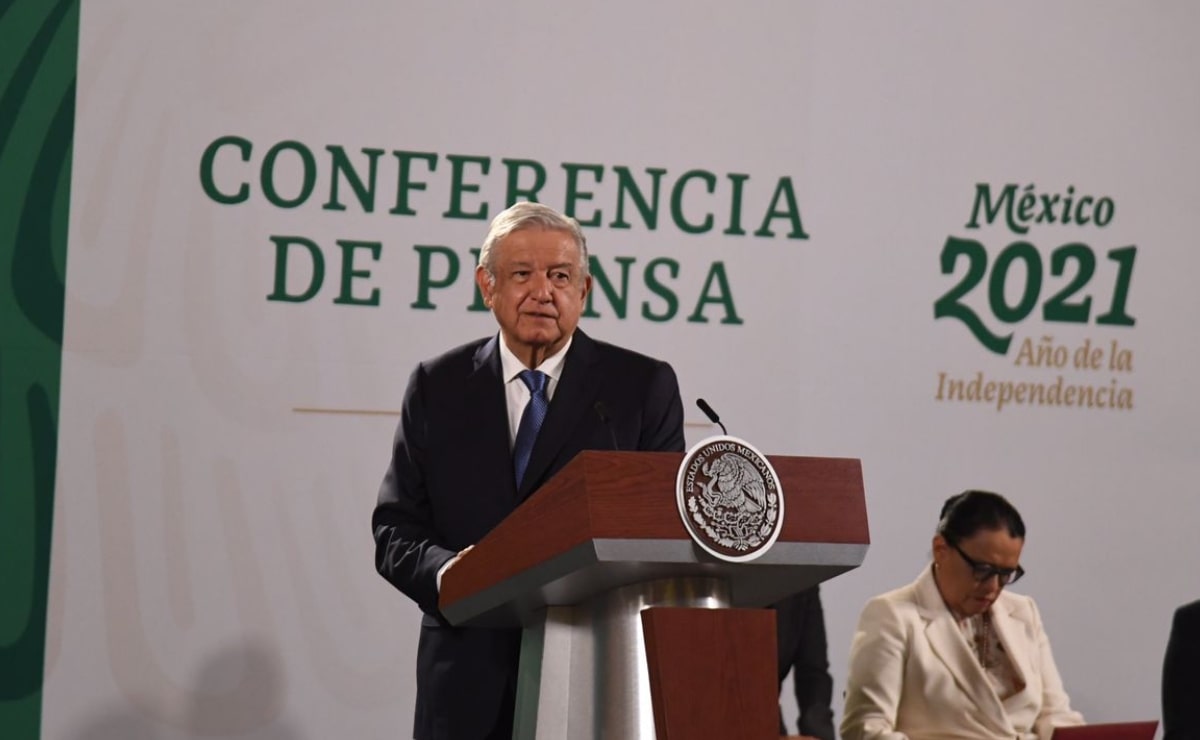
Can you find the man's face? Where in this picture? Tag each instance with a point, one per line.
(538, 292)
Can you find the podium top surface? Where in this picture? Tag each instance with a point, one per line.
(610, 519)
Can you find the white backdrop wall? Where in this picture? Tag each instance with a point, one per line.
(220, 448)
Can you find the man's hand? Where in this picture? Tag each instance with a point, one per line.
(459, 556)
(450, 564)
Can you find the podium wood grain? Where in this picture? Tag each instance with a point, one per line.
(710, 676)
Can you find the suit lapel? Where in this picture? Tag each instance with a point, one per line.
(573, 397)
(1012, 633)
(487, 402)
(948, 643)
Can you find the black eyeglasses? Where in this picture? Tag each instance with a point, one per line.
(984, 571)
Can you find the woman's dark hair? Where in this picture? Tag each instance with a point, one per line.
(971, 511)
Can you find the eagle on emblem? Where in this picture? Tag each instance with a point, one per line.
(734, 483)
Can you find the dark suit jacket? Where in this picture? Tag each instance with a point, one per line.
(1181, 676)
(451, 481)
(800, 634)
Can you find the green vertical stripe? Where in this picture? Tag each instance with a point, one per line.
(37, 121)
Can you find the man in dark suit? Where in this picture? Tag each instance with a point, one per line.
(1181, 676)
(480, 430)
(800, 637)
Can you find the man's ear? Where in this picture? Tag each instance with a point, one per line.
(483, 280)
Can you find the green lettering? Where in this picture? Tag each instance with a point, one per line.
(365, 192)
(346, 296)
(659, 289)
(790, 211)
(207, 182)
(648, 209)
(514, 189)
(983, 198)
(268, 174)
(618, 300)
(574, 194)
(735, 205)
(477, 303)
(282, 246)
(458, 163)
(710, 182)
(425, 280)
(716, 274)
(405, 182)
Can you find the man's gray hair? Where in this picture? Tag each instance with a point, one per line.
(527, 215)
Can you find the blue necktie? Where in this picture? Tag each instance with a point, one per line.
(531, 420)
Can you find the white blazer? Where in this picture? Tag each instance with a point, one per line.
(912, 673)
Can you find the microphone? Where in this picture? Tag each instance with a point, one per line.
(712, 415)
(598, 407)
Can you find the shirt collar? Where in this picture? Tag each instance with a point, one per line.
(552, 366)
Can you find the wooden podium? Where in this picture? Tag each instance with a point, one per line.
(631, 630)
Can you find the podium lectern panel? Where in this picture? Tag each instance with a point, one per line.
(578, 562)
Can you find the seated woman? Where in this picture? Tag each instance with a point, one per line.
(954, 655)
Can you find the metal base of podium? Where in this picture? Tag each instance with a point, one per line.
(584, 674)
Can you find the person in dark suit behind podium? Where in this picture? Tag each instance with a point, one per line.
(1181, 676)
(800, 639)
(478, 434)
